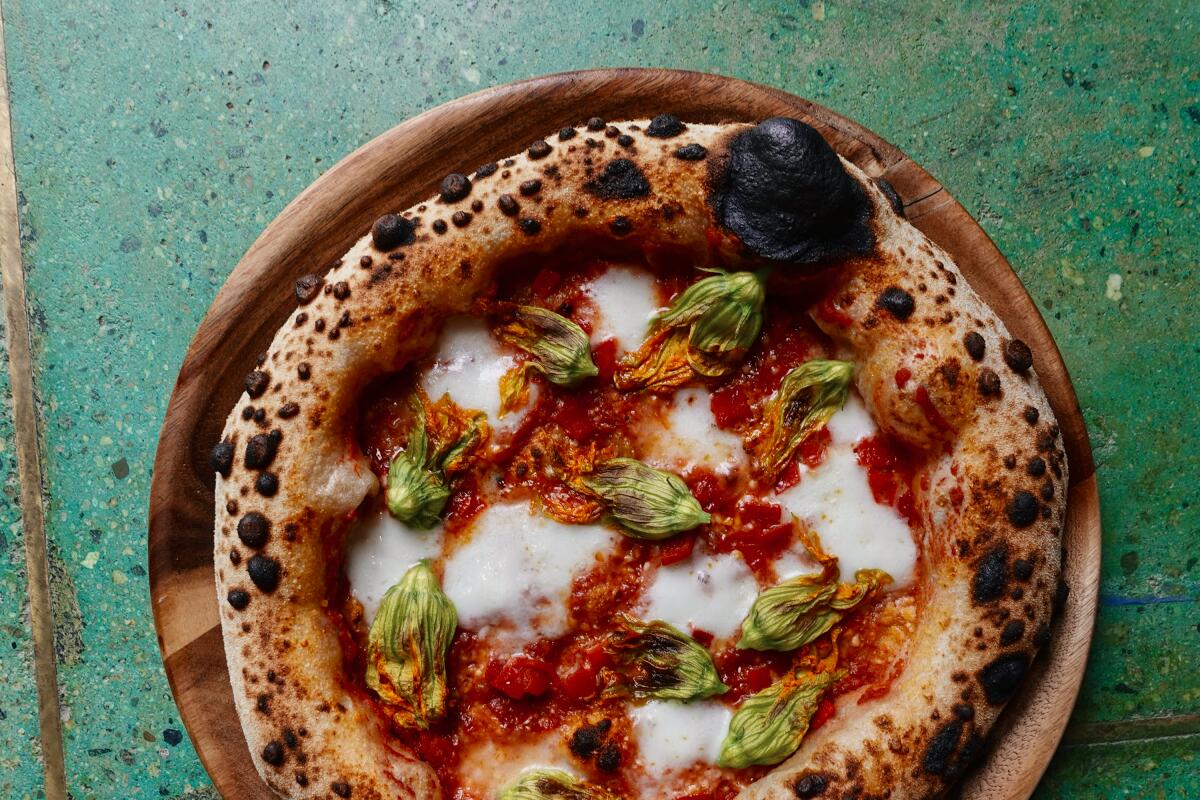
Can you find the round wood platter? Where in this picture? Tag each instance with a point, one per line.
(402, 167)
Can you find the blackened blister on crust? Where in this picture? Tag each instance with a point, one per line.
(620, 180)
(899, 303)
(455, 187)
(991, 575)
(390, 231)
(813, 784)
(664, 126)
(692, 152)
(893, 197)
(784, 193)
(257, 383)
(1002, 676)
(221, 457)
(264, 572)
(940, 750)
(1022, 509)
(253, 530)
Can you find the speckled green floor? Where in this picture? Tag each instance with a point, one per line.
(154, 141)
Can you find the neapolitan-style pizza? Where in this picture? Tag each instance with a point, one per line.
(661, 460)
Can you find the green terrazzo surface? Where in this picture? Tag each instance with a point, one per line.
(153, 142)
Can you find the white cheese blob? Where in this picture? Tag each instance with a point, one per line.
(688, 437)
(513, 575)
(852, 423)
(379, 550)
(468, 364)
(673, 736)
(625, 301)
(836, 500)
(712, 592)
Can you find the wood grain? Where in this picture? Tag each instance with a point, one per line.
(402, 167)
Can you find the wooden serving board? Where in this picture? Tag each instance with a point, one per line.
(402, 167)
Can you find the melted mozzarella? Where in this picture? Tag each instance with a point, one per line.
(379, 550)
(852, 423)
(688, 437)
(625, 301)
(710, 592)
(836, 500)
(468, 365)
(673, 736)
(489, 767)
(514, 574)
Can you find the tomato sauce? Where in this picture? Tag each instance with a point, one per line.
(561, 684)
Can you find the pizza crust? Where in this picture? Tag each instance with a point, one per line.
(289, 473)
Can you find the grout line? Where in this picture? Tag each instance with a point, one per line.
(29, 465)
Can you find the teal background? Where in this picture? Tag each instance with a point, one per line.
(154, 141)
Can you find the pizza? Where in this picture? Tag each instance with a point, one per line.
(659, 460)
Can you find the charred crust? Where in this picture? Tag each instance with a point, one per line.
(1023, 569)
(813, 784)
(530, 226)
(692, 152)
(975, 345)
(1013, 632)
(261, 449)
(1022, 510)
(566, 133)
(1001, 677)
(392, 230)
(1031, 415)
(266, 484)
(620, 225)
(301, 779)
(288, 410)
(253, 530)
(303, 371)
(595, 124)
(612, 132)
(897, 302)
(248, 413)
(1047, 491)
(307, 288)
(939, 753)
(539, 149)
(783, 191)
(989, 383)
(439, 226)
(625, 140)
(257, 383)
(991, 575)
(1061, 593)
(508, 205)
(264, 572)
(220, 458)
(273, 753)
(620, 179)
(238, 599)
(340, 788)
(964, 711)
(455, 187)
(341, 290)
(461, 219)
(893, 197)
(664, 126)
(586, 739)
(1036, 467)
(1041, 637)
(486, 170)
(1018, 356)
(530, 187)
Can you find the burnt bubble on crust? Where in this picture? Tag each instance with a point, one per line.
(940, 750)
(253, 529)
(975, 345)
(257, 383)
(1001, 677)
(899, 303)
(620, 180)
(893, 197)
(991, 575)
(1018, 356)
(813, 784)
(267, 484)
(261, 449)
(1022, 510)
(455, 187)
(664, 126)
(307, 288)
(264, 572)
(221, 457)
(783, 192)
(692, 152)
(392, 230)
(273, 753)
(238, 599)
(340, 788)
